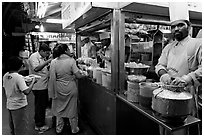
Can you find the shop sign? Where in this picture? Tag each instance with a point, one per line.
(56, 36)
(71, 11)
(112, 5)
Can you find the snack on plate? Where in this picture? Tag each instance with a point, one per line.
(29, 77)
(36, 76)
(136, 65)
(136, 78)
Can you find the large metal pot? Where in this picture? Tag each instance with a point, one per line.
(171, 104)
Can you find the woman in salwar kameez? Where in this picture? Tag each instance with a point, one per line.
(63, 88)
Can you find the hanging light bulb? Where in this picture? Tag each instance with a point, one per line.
(41, 28)
(37, 26)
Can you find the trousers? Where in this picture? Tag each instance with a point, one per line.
(18, 121)
(41, 103)
(72, 121)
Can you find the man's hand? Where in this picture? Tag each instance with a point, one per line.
(178, 81)
(185, 80)
(165, 78)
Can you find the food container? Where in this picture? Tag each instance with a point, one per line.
(133, 91)
(147, 88)
(146, 93)
(136, 69)
(94, 73)
(171, 104)
(99, 75)
(136, 78)
(133, 87)
(106, 78)
(90, 71)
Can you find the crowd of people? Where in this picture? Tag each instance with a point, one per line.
(57, 82)
(56, 87)
(180, 62)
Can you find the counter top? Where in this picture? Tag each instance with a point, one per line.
(148, 112)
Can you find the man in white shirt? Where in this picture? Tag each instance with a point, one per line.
(181, 60)
(38, 65)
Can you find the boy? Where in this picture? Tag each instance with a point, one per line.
(16, 91)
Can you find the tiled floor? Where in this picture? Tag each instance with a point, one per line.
(85, 128)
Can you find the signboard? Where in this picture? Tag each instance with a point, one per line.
(46, 36)
(112, 5)
(71, 11)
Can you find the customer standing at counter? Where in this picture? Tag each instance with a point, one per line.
(38, 66)
(181, 60)
(105, 52)
(63, 88)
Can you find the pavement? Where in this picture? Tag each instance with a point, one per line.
(85, 128)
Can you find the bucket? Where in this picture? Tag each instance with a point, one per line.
(90, 71)
(94, 73)
(146, 89)
(146, 93)
(99, 75)
(106, 79)
(132, 91)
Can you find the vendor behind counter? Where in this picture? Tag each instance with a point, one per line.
(88, 49)
(105, 52)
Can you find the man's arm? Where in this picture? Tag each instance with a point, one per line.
(41, 66)
(161, 67)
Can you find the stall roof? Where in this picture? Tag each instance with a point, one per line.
(159, 9)
(162, 9)
(93, 14)
(147, 9)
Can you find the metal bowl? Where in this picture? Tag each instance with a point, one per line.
(174, 88)
(136, 71)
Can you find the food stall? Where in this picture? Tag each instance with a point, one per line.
(117, 108)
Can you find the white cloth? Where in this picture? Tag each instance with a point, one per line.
(108, 54)
(86, 50)
(182, 58)
(14, 84)
(34, 61)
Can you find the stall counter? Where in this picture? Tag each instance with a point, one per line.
(113, 114)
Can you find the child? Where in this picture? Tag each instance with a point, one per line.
(16, 91)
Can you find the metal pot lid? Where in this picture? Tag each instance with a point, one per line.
(167, 94)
